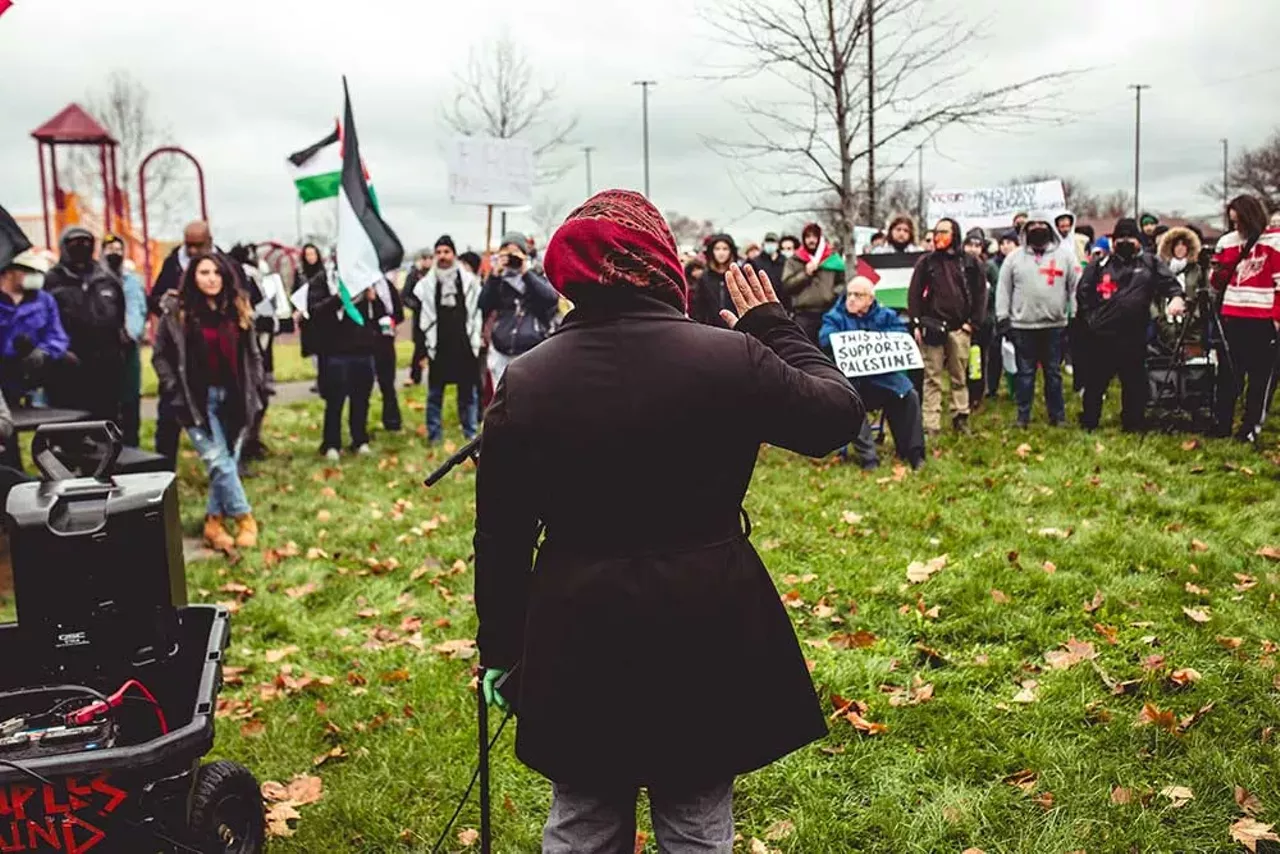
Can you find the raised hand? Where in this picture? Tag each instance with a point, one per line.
(748, 289)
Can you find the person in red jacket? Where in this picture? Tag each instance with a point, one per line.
(1247, 275)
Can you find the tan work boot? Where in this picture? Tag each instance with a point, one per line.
(216, 536)
(246, 531)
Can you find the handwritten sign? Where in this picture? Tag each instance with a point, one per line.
(994, 207)
(490, 171)
(863, 353)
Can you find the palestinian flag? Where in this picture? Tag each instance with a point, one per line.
(367, 246)
(891, 274)
(4, 6)
(317, 169)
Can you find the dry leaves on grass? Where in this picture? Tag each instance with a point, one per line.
(916, 693)
(1000, 597)
(1027, 691)
(1023, 451)
(1249, 832)
(468, 837)
(302, 790)
(1096, 603)
(1197, 615)
(853, 711)
(919, 572)
(1269, 552)
(301, 590)
(457, 650)
(779, 831)
(1049, 567)
(1072, 653)
(275, 655)
(1152, 716)
(1025, 780)
(1184, 676)
(1248, 803)
(1179, 796)
(860, 639)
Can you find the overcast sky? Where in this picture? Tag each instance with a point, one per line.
(242, 84)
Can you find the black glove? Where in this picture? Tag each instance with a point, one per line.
(1003, 326)
(22, 345)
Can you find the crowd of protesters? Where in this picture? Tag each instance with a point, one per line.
(1042, 298)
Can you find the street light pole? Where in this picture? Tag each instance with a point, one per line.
(1137, 145)
(920, 185)
(644, 90)
(1226, 218)
(587, 149)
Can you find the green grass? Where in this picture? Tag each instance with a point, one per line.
(934, 782)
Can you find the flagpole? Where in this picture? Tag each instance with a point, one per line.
(297, 213)
(488, 231)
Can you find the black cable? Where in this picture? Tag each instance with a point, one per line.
(54, 689)
(18, 766)
(467, 794)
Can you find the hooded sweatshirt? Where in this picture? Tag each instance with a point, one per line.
(90, 301)
(1037, 288)
(1068, 244)
(950, 286)
(709, 294)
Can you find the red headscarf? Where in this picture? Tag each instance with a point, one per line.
(617, 239)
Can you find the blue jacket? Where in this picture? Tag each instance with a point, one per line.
(135, 305)
(35, 316)
(877, 319)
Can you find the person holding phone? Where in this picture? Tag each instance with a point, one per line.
(518, 303)
(631, 436)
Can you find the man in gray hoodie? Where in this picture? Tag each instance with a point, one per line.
(1035, 297)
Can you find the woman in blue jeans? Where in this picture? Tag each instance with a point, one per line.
(211, 376)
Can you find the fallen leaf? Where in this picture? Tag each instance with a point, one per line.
(458, 650)
(252, 728)
(1092, 606)
(336, 752)
(779, 831)
(367, 613)
(1179, 795)
(919, 572)
(861, 724)
(278, 818)
(1184, 676)
(273, 791)
(1269, 552)
(301, 590)
(973, 851)
(468, 837)
(860, 639)
(1199, 615)
(304, 789)
(1121, 796)
(1190, 445)
(1248, 803)
(851, 518)
(1000, 597)
(1025, 780)
(1153, 662)
(1199, 546)
(1109, 633)
(1249, 832)
(1073, 653)
(1190, 720)
(1023, 450)
(1244, 582)
(1044, 800)
(275, 655)
(1196, 589)
(1151, 716)
(1049, 567)
(393, 676)
(1027, 694)
(1229, 643)
(1055, 532)
(323, 515)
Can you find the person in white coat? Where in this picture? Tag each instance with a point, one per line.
(451, 324)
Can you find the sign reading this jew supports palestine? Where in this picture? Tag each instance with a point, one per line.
(863, 353)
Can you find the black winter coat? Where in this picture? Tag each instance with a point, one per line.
(632, 435)
(91, 307)
(951, 287)
(521, 321)
(1115, 296)
(334, 332)
(184, 386)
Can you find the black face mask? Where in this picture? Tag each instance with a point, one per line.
(1125, 251)
(115, 262)
(80, 253)
(1038, 237)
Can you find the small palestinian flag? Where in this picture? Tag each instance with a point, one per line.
(367, 246)
(5, 5)
(317, 169)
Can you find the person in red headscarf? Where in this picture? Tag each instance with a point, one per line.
(631, 435)
(811, 277)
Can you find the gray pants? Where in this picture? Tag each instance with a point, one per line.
(585, 821)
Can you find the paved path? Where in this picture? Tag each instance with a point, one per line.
(285, 393)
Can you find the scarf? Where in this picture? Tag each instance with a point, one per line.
(616, 241)
(824, 248)
(1178, 266)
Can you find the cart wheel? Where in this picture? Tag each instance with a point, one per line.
(226, 810)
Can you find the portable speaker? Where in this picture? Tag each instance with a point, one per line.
(98, 573)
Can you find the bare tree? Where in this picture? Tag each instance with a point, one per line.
(498, 96)
(1116, 204)
(122, 106)
(688, 231)
(868, 77)
(1255, 171)
(547, 214)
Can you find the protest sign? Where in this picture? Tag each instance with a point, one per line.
(490, 171)
(863, 353)
(994, 207)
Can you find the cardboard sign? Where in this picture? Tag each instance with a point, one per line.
(994, 207)
(490, 171)
(862, 353)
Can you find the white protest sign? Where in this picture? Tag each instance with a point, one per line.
(489, 171)
(994, 207)
(863, 353)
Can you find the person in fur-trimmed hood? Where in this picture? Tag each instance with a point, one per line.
(1179, 249)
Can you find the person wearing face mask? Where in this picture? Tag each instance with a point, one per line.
(449, 314)
(519, 305)
(91, 305)
(32, 340)
(1035, 297)
(947, 302)
(900, 236)
(1115, 299)
(770, 261)
(712, 296)
(135, 326)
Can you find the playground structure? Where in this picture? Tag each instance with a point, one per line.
(74, 127)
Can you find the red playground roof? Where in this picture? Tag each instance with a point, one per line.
(73, 125)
